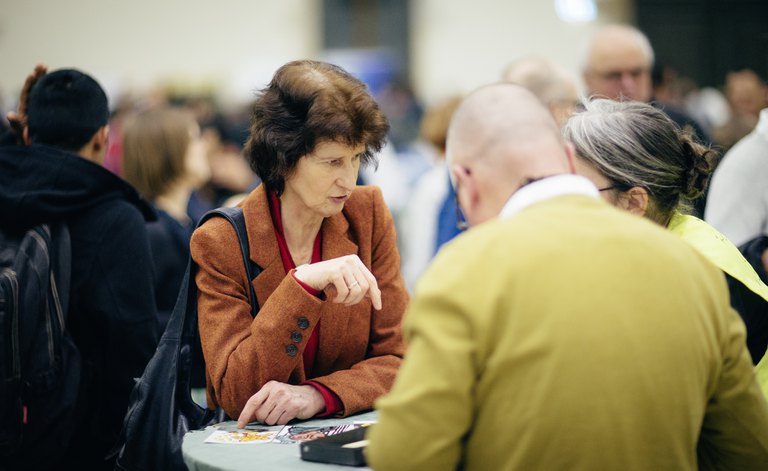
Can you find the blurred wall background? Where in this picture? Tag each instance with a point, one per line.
(232, 47)
(455, 50)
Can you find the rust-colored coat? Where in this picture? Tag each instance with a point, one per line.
(360, 348)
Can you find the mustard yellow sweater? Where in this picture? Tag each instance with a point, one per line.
(572, 336)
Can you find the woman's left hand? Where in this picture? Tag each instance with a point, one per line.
(278, 403)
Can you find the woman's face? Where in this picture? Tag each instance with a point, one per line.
(196, 161)
(586, 169)
(322, 181)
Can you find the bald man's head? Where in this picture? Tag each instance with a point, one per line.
(500, 136)
(618, 64)
(550, 82)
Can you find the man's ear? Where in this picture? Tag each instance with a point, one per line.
(95, 149)
(460, 177)
(100, 139)
(634, 200)
(462, 180)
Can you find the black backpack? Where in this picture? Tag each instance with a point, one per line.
(40, 365)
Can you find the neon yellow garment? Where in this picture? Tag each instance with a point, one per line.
(722, 253)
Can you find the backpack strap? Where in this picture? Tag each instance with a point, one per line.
(61, 265)
(237, 219)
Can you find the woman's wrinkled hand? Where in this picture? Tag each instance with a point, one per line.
(278, 403)
(347, 276)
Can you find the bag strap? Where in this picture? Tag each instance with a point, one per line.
(61, 264)
(237, 219)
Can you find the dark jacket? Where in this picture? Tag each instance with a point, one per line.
(169, 241)
(112, 313)
(753, 308)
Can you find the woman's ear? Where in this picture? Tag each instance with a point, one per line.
(634, 200)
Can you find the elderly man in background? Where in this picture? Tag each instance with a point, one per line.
(539, 340)
(618, 64)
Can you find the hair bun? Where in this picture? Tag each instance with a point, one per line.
(700, 162)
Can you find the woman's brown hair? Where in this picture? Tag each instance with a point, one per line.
(305, 103)
(155, 144)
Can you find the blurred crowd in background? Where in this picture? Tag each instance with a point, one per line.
(411, 171)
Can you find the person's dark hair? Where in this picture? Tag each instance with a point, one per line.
(305, 103)
(65, 109)
(634, 144)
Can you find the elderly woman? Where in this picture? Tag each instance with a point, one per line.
(327, 338)
(643, 163)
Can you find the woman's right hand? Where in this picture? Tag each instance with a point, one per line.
(347, 275)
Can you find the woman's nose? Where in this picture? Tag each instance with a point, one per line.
(348, 177)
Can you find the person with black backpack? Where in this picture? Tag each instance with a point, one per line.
(52, 185)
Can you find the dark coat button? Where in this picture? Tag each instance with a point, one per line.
(296, 336)
(303, 323)
(291, 350)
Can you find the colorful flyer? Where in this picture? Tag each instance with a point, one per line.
(240, 437)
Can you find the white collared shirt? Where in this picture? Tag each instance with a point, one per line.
(546, 188)
(762, 124)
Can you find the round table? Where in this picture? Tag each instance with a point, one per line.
(199, 455)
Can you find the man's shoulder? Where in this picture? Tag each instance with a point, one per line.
(570, 224)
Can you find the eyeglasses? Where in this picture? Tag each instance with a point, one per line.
(607, 188)
(461, 221)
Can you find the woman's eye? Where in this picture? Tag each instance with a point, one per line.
(335, 162)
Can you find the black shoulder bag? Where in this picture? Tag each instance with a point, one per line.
(161, 409)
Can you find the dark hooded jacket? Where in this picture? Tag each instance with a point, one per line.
(112, 310)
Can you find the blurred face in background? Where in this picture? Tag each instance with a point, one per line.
(619, 68)
(198, 170)
(746, 93)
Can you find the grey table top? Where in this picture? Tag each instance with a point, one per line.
(267, 456)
